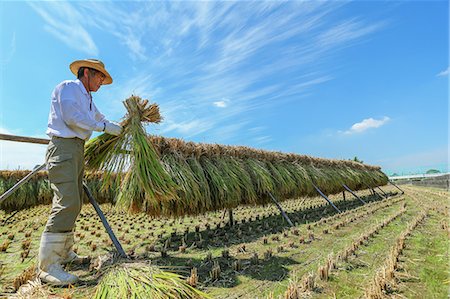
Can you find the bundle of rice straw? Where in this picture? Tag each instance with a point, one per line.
(140, 280)
(141, 180)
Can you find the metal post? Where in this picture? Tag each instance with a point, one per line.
(376, 193)
(372, 190)
(104, 221)
(281, 210)
(343, 194)
(326, 198)
(403, 192)
(353, 193)
(384, 193)
(21, 182)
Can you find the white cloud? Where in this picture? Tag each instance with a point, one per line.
(222, 103)
(444, 73)
(366, 124)
(64, 22)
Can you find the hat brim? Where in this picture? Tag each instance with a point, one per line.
(75, 66)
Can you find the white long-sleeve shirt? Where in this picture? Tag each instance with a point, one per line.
(72, 112)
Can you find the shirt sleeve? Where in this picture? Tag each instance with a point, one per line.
(98, 116)
(72, 113)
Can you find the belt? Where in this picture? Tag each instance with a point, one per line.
(76, 139)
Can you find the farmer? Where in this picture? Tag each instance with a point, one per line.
(73, 116)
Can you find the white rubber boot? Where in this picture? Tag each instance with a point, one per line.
(71, 256)
(52, 252)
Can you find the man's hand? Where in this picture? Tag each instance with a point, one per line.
(113, 128)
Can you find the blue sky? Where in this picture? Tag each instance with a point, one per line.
(329, 79)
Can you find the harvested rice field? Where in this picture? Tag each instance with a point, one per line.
(392, 246)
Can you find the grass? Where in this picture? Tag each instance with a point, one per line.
(351, 279)
(425, 261)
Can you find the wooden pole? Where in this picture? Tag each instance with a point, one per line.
(24, 139)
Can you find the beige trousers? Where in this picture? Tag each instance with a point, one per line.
(65, 163)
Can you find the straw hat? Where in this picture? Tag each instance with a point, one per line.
(93, 64)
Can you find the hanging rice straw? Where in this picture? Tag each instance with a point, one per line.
(141, 179)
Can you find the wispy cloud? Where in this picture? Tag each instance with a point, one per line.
(110, 99)
(256, 129)
(345, 32)
(64, 22)
(192, 58)
(262, 139)
(444, 73)
(227, 133)
(69, 22)
(238, 38)
(188, 128)
(128, 25)
(368, 123)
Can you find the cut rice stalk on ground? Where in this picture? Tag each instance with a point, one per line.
(140, 280)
